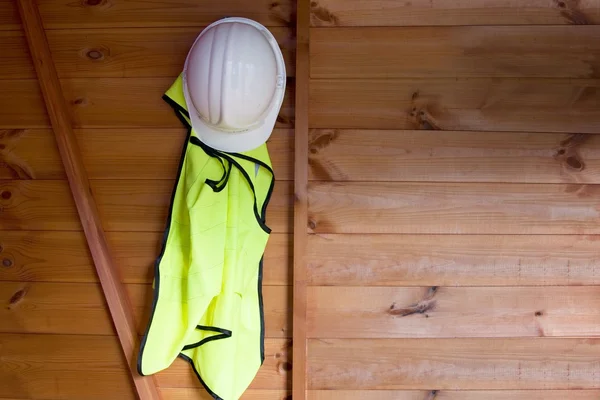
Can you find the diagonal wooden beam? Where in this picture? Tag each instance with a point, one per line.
(112, 286)
(299, 378)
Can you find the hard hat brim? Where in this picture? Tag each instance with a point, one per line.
(235, 142)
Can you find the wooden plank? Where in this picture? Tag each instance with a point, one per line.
(195, 394)
(115, 293)
(21, 105)
(439, 156)
(299, 376)
(447, 312)
(45, 367)
(457, 208)
(465, 364)
(117, 53)
(125, 205)
(104, 103)
(453, 395)
(449, 12)
(163, 13)
(451, 52)
(15, 62)
(51, 256)
(453, 260)
(116, 153)
(9, 16)
(79, 308)
(494, 104)
(135, 53)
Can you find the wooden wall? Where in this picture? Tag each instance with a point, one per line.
(115, 58)
(454, 206)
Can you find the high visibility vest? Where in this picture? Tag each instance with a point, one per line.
(207, 306)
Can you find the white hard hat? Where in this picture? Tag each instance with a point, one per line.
(234, 83)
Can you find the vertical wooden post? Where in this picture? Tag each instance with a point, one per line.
(114, 290)
(299, 379)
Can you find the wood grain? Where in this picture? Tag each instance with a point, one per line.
(450, 52)
(46, 367)
(449, 12)
(104, 103)
(79, 308)
(52, 256)
(125, 205)
(15, 62)
(453, 260)
(162, 13)
(21, 105)
(453, 395)
(465, 364)
(135, 53)
(447, 312)
(299, 376)
(479, 104)
(456, 208)
(440, 156)
(257, 394)
(116, 153)
(115, 293)
(9, 16)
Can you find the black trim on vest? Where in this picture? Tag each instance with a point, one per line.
(191, 362)
(260, 217)
(164, 243)
(262, 311)
(224, 334)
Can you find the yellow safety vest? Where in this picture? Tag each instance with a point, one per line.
(207, 305)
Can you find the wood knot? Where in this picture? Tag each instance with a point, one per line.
(422, 307)
(571, 11)
(312, 224)
(6, 195)
(95, 55)
(80, 101)
(569, 154)
(7, 262)
(539, 313)
(92, 3)
(320, 139)
(575, 163)
(285, 366)
(17, 297)
(322, 16)
(432, 395)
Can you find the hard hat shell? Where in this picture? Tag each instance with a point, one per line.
(234, 83)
